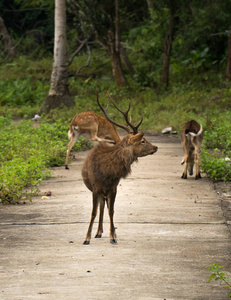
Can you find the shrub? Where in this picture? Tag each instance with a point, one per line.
(21, 92)
(219, 136)
(216, 149)
(216, 165)
(4, 121)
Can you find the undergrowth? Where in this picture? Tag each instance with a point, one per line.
(216, 149)
(26, 153)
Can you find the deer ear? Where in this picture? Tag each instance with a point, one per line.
(136, 138)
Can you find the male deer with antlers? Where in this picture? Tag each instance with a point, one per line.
(100, 130)
(191, 138)
(105, 166)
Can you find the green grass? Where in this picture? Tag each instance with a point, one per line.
(27, 152)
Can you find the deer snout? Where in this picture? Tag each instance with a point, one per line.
(154, 150)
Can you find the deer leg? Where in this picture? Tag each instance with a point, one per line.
(100, 226)
(184, 175)
(111, 202)
(198, 175)
(190, 162)
(93, 215)
(94, 137)
(74, 137)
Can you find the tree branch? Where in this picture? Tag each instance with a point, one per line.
(77, 51)
(88, 60)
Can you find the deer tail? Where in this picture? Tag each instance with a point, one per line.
(72, 131)
(200, 131)
(69, 133)
(183, 161)
(193, 134)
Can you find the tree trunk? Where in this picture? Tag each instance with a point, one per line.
(114, 51)
(228, 69)
(117, 69)
(58, 95)
(150, 4)
(112, 45)
(168, 43)
(114, 54)
(166, 59)
(7, 39)
(127, 63)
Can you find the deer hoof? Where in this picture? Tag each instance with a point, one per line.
(86, 243)
(98, 236)
(113, 241)
(184, 176)
(66, 167)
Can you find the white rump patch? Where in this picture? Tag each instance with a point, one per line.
(69, 134)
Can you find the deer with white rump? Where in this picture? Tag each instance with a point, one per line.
(191, 138)
(100, 130)
(105, 166)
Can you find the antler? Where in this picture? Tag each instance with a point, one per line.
(108, 118)
(125, 113)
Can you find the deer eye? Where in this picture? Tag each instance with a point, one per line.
(143, 141)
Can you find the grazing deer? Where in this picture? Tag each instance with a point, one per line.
(105, 166)
(98, 127)
(191, 138)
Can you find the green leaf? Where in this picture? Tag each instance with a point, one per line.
(212, 276)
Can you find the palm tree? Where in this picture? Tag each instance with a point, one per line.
(58, 95)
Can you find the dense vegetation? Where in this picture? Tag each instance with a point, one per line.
(197, 90)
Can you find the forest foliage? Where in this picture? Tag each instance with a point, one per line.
(198, 88)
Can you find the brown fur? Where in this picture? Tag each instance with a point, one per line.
(191, 138)
(102, 171)
(99, 128)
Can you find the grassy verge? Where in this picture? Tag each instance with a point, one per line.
(26, 153)
(216, 150)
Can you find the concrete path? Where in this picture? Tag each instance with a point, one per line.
(169, 232)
